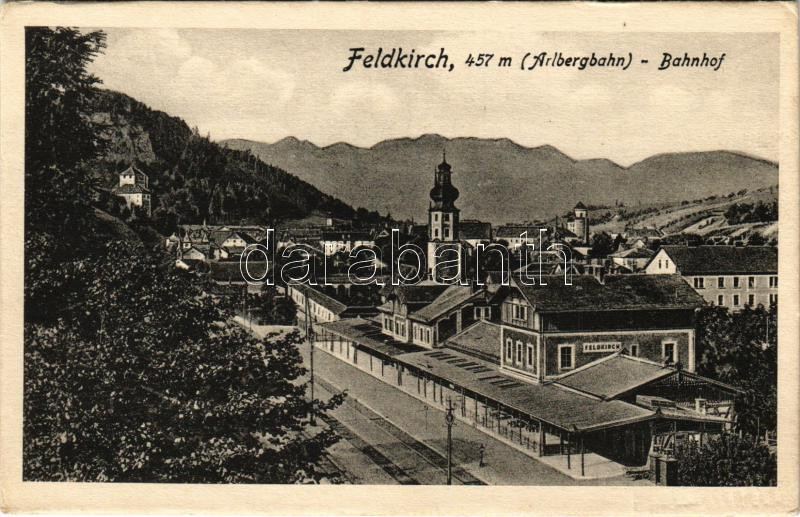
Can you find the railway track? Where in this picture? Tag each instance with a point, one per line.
(424, 453)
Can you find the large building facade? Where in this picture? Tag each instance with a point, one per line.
(548, 331)
(727, 276)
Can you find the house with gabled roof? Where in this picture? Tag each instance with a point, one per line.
(728, 276)
(332, 242)
(428, 313)
(133, 188)
(324, 306)
(633, 258)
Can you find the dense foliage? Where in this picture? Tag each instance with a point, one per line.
(759, 212)
(59, 140)
(147, 382)
(268, 307)
(602, 244)
(726, 460)
(133, 372)
(741, 349)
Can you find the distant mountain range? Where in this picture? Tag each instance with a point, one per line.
(501, 180)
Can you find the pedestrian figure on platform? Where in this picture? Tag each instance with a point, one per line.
(481, 451)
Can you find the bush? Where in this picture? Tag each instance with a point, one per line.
(726, 460)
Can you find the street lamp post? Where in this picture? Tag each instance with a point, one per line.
(310, 340)
(448, 419)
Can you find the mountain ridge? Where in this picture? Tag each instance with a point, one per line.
(503, 139)
(502, 180)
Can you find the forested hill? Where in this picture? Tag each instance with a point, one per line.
(193, 179)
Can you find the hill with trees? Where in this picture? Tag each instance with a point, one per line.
(192, 178)
(744, 216)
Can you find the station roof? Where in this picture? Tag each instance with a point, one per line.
(549, 403)
(449, 299)
(614, 375)
(368, 334)
(618, 374)
(481, 338)
(555, 403)
(325, 300)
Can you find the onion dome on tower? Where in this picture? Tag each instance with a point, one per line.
(443, 193)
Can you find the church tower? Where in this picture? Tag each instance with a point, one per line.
(442, 218)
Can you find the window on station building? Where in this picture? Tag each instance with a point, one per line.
(721, 282)
(520, 312)
(530, 354)
(519, 352)
(751, 300)
(508, 349)
(773, 299)
(699, 282)
(446, 232)
(736, 284)
(566, 357)
(670, 351)
(436, 233)
(735, 300)
(483, 313)
(773, 281)
(435, 217)
(751, 282)
(721, 300)
(634, 349)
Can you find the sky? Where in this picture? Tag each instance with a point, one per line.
(269, 84)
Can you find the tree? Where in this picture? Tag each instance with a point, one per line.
(618, 241)
(741, 349)
(602, 245)
(147, 381)
(59, 138)
(58, 96)
(756, 239)
(726, 460)
(274, 309)
(284, 312)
